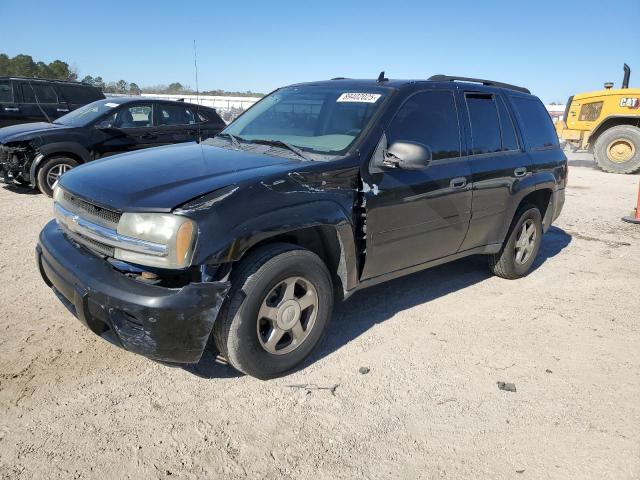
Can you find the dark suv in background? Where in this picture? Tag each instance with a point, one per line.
(25, 100)
(37, 154)
(315, 192)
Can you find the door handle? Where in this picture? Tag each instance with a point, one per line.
(62, 110)
(520, 172)
(11, 109)
(458, 182)
(149, 136)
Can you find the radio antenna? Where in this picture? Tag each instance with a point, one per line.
(195, 64)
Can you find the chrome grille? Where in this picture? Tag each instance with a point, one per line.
(76, 205)
(97, 247)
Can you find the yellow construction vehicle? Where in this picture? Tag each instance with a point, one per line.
(607, 123)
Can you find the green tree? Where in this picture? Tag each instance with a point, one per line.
(175, 87)
(4, 64)
(89, 80)
(60, 70)
(42, 70)
(99, 83)
(122, 86)
(22, 66)
(134, 89)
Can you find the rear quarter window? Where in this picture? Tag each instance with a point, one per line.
(536, 125)
(80, 94)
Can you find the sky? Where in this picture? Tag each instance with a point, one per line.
(554, 48)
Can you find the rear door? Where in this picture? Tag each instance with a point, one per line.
(10, 113)
(498, 165)
(176, 123)
(415, 216)
(40, 98)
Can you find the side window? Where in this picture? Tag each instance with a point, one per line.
(509, 138)
(79, 94)
(429, 118)
(134, 116)
(38, 93)
(175, 115)
(537, 127)
(485, 126)
(6, 92)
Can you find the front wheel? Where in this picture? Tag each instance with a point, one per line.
(51, 170)
(617, 150)
(277, 310)
(521, 246)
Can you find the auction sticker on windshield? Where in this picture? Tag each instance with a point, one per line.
(359, 97)
(111, 105)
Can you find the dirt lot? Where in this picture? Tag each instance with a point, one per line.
(436, 343)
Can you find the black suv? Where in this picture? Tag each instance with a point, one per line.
(318, 190)
(37, 154)
(24, 100)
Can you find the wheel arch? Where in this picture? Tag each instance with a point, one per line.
(321, 227)
(610, 122)
(63, 149)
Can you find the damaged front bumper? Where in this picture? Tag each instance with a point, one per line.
(15, 165)
(164, 324)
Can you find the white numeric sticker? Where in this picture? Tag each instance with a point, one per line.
(359, 97)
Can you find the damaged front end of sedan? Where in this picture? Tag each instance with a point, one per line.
(16, 159)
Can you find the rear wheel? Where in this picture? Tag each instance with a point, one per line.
(277, 310)
(51, 170)
(521, 247)
(617, 150)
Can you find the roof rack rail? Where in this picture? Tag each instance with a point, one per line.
(490, 83)
(339, 78)
(37, 79)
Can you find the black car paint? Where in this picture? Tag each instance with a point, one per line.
(369, 225)
(27, 146)
(21, 111)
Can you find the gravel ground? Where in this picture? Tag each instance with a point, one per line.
(436, 343)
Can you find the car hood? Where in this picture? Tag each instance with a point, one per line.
(28, 131)
(160, 179)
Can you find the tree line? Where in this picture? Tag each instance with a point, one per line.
(24, 66)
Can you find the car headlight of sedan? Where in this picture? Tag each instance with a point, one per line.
(165, 240)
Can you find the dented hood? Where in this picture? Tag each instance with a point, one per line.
(27, 131)
(159, 179)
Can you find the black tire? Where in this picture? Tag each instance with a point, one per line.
(47, 167)
(236, 333)
(629, 137)
(504, 263)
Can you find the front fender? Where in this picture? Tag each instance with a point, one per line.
(52, 149)
(322, 213)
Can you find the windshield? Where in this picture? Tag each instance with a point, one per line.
(317, 119)
(83, 116)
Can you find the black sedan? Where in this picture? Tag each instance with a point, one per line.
(36, 154)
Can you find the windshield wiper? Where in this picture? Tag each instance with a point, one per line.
(280, 143)
(234, 140)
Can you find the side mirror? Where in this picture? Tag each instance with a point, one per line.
(407, 155)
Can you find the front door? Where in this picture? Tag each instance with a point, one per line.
(129, 128)
(9, 107)
(415, 216)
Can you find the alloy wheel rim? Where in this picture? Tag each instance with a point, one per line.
(621, 150)
(287, 315)
(525, 241)
(55, 172)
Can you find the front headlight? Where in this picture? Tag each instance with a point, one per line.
(176, 232)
